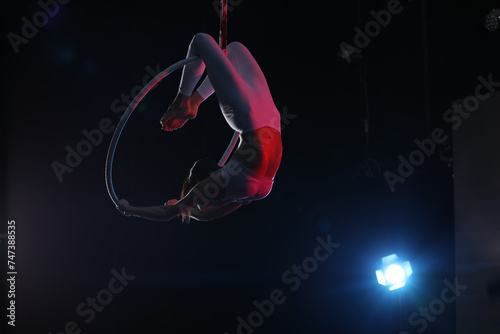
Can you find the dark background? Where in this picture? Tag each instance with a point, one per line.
(199, 278)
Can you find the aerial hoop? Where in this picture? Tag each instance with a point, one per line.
(126, 115)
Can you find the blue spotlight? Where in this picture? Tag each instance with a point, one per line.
(394, 273)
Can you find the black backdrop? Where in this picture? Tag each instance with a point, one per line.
(70, 76)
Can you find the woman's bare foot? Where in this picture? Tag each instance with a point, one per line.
(182, 109)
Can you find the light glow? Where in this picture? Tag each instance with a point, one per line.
(394, 273)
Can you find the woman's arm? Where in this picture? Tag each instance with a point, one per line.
(214, 212)
(155, 213)
(167, 212)
(201, 195)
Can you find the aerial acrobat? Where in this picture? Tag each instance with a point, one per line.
(213, 190)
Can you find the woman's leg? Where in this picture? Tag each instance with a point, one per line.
(185, 104)
(205, 47)
(246, 66)
(236, 78)
(232, 77)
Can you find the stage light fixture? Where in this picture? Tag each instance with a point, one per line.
(394, 273)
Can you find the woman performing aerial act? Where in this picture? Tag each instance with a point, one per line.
(210, 192)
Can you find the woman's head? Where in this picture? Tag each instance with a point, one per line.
(200, 170)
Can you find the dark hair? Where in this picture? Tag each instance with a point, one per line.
(200, 170)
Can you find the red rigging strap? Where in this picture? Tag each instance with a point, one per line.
(223, 45)
(223, 25)
(155, 81)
